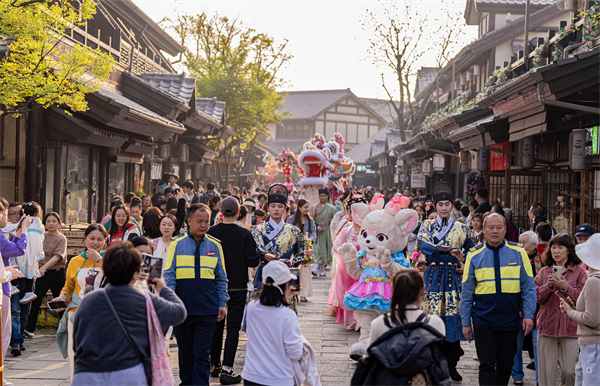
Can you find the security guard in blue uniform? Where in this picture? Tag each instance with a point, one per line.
(194, 269)
(497, 284)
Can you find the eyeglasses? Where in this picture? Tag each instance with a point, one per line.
(14, 214)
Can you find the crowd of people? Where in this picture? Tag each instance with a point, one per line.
(236, 259)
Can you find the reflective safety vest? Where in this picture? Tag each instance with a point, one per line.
(497, 283)
(196, 272)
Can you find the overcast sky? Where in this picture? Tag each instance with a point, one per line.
(326, 37)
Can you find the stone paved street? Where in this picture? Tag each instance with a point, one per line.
(42, 364)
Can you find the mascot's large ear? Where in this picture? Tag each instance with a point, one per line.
(407, 220)
(359, 212)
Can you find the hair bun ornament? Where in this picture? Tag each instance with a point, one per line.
(396, 204)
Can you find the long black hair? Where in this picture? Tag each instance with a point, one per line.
(406, 287)
(566, 241)
(298, 216)
(113, 222)
(272, 295)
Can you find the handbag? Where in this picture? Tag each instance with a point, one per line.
(162, 374)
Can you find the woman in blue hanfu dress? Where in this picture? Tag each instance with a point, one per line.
(444, 241)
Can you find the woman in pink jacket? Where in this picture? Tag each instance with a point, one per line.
(557, 333)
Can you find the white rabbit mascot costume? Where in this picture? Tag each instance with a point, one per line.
(383, 237)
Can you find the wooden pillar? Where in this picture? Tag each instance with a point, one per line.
(33, 155)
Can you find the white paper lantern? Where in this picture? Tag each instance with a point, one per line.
(577, 149)
(439, 163)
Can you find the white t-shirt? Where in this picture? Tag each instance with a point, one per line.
(378, 326)
(274, 340)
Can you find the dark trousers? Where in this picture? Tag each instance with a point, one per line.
(235, 315)
(250, 383)
(194, 336)
(53, 280)
(495, 350)
(19, 313)
(455, 353)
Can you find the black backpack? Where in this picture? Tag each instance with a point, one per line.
(410, 353)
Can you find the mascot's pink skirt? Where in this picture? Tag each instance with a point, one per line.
(339, 285)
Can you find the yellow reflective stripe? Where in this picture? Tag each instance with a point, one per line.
(485, 288)
(184, 273)
(171, 251)
(524, 258)
(207, 273)
(185, 261)
(482, 274)
(216, 241)
(208, 261)
(470, 256)
(511, 286)
(510, 272)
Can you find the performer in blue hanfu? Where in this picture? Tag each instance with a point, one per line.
(444, 243)
(277, 240)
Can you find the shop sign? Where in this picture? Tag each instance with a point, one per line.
(499, 161)
(439, 162)
(417, 180)
(359, 169)
(176, 169)
(156, 171)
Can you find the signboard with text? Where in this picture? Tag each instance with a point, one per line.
(417, 180)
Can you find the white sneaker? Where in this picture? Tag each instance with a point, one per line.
(7, 383)
(14, 290)
(29, 297)
(28, 334)
(475, 357)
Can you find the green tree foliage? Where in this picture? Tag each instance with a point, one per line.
(37, 67)
(239, 66)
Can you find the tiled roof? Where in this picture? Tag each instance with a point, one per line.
(308, 104)
(382, 107)
(116, 95)
(361, 152)
(211, 107)
(177, 85)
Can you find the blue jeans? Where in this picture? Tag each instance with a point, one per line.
(587, 371)
(517, 370)
(19, 313)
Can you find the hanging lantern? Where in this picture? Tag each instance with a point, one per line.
(163, 150)
(469, 76)
(484, 160)
(577, 149)
(456, 85)
(465, 162)
(527, 153)
(476, 70)
(439, 163)
(207, 171)
(461, 80)
(184, 153)
(426, 168)
(197, 170)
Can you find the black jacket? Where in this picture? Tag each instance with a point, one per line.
(239, 250)
(403, 352)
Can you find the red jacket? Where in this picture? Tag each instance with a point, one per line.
(550, 321)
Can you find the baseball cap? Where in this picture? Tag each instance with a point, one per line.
(278, 272)
(249, 202)
(230, 205)
(584, 229)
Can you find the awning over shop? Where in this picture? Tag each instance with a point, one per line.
(111, 108)
(82, 130)
(205, 154)
(469, 136)
(138, 146)
(456, 121)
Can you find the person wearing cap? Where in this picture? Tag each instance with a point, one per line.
(587, 314)
(273, 331)
(497, 284)
(194, 269)
(277, 240)
(250, 205)
(443, 241)
(239, 251)
(583, 233)
(323, 213)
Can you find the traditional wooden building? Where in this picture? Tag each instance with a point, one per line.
(146, 121)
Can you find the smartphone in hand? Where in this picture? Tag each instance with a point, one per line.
(295, 284)
(562, 296)
(57, 305)
(557, 271)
